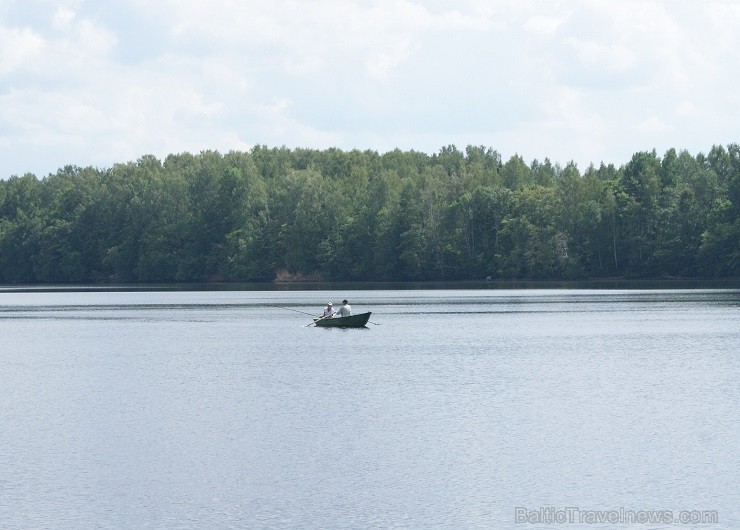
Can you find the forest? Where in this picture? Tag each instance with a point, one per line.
(281, 214)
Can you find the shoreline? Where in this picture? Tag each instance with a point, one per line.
(596, 283)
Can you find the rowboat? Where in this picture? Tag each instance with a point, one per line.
(352, 321)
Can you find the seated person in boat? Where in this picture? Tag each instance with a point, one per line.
(328, 311)
(345, 310)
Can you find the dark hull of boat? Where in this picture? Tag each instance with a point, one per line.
(353, 321)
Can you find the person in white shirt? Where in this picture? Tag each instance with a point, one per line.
(328, 311)
(345, 310)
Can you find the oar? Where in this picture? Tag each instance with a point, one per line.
(322, 318)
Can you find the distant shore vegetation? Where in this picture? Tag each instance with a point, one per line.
(331, 215)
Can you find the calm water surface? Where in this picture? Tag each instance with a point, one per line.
(452, 409)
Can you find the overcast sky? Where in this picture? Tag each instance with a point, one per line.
(107, 81)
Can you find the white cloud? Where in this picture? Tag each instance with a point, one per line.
(380, 64)
(578, 79)
(19, 47)
(280, 123)
(63, 18)
(610, 56)
(542, 25)
(384, 33)
(653, 124)
(686, 108)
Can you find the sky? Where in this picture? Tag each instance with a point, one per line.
(95, 83)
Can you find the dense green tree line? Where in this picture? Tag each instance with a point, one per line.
(337, 215)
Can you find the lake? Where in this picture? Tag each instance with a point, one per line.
(452, 409)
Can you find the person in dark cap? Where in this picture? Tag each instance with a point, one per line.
(345, 310)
